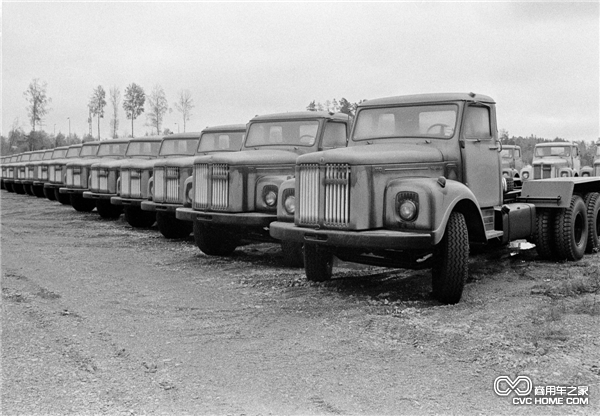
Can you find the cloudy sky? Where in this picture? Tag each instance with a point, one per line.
(539, 61)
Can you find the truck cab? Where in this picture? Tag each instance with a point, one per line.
(104, 175)
(31, 171)
(235, 194)
(595, 169)
(512, 163)
(419, 182)
(555, 160)
(171, 183)
(57, 173)
(10, 172)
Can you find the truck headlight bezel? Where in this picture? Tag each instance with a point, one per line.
(407, 206)
(289, 201)
(269, 196)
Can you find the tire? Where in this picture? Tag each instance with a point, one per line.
(318, 263)
(214, 241)
(19, 188)
(28, 189)
(571, 230)
(9, 187)
(107, 210)
(171, 227)
(592, 203)
(38, 191)
(64, 199)
(49, 193)
(543, 238)
(82, 204)
(292, 254)
(138, 218)
(451, 261)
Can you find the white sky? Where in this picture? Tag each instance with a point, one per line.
(539, 61)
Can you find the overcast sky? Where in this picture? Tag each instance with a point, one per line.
(539, 61)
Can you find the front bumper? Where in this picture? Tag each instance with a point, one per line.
(160, 207)
(52, 185)
(249, 219)
(369, 239)
(95, 195)
(129, 202)
(72, 191)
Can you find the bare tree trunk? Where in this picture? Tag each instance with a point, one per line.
(132, 127)
(98, 127)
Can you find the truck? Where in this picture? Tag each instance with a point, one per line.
(595, 169)
(77, 171)
(512, 164)
(419, 183)
(553, 160)
(9, 171)
(32, 170)
(234, 195)
(19, 173)
(39, 172)
(171, 181)
(104, 175)
(56, 173)
(135, 178)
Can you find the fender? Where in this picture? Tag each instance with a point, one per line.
(188, 191)
(150, 188)
(587, 171)
(437, 198)
(285, 189)
(263, 184)
(118, 190)
(568, 170)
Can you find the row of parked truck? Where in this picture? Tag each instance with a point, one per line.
(413, 182)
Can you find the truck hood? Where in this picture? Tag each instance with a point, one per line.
(251, 157)
(550, 161)
(377, 154)
(178, 162)
(139, 164)
(110, 164)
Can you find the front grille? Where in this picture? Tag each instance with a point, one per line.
(95, 181)
(30, 171)
(21, 173)
(546, 172)
(537, 172)
(74, 176)
(335, 206)
(40, 173)
(159, 185)
(125, 188)
(308, 207)
(103, 180)
(220, 186)
(135, 186)
(172, 185)
(201, 179)
(58, 178)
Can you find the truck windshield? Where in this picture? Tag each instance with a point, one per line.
(37, 156)
(112, 149)
(149, 148)
(221, 142)
(552, 151)
(73, 152)
(89, 150)
(507, 153)
(430, 121)
(282, 133)
(47, 155)
(185, 147)
(59, 154)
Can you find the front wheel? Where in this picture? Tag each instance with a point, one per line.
(292, 254)
(214, 241)
(81, 204)
(138, 218)
(107, 210)
(451, 261)
(571, 230)
(38, 191)
(171, 227)
(318, 263)
(49, 193)
(28, 189)
(64, 199)
(19, 188)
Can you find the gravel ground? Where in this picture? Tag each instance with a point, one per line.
(100, 318)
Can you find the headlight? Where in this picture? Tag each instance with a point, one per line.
(188, 196)
(270, 198)
(564, 174)
(407, 205)
(525, 175)
(505, 174)
(585, 174)
(290, 204)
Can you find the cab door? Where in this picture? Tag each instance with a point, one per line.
(480, 155)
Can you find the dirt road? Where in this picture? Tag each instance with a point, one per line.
(99, 318)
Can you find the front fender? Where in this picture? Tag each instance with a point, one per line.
(188, 191)
(263, 186)
(151, 188)
(437, 199)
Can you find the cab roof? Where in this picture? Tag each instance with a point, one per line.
(186, 135)
(225, 127)
(146, 139)
(427, 98)
(550, 144)
(301, 115)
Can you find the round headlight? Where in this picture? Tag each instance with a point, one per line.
(407, 210)
(585, 174)
(505, 174)
(564, 174)
(290, 204)
(525, 175)
(271, 198)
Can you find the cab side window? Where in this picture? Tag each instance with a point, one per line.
(477, 123)
(334, 135)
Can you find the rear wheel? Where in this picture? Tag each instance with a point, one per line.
(138, 218)
(543, 237)
(171, 227)
(107, 210)
(571, 230)
(49, 193)
(292, 254)
(214, 241)
(318, 263)
(82, 204)
(64, 199)
(451, 261)
(592, 202)
(38, 191)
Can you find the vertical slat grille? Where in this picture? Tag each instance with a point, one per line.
(51, 170)
(337, 195)
(95, 185)
(201, 186)
(308, 207)
(69, 181)
(159, 185)
(547, 172)
(220, 186)
(125, 188)
(103, 180)
(172, 184)
(136, 183)
(537, 172)
(30, 172)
